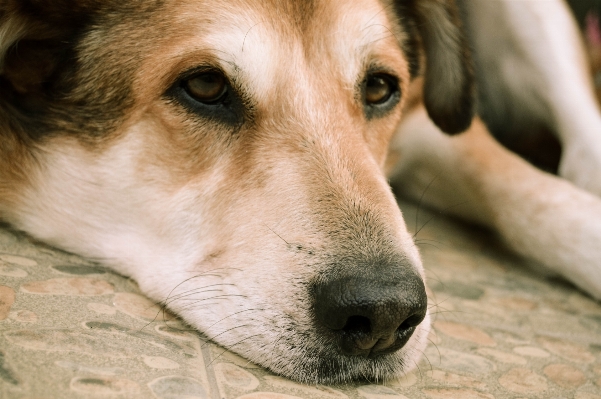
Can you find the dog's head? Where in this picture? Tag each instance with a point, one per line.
(228, 156)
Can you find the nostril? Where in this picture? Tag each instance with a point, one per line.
(357, 324)
(410, 322)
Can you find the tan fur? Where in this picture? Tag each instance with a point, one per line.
(103, 153)
(179, 201)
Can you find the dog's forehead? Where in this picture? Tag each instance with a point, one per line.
(265, 39)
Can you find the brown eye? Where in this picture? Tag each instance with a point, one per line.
(207, 87)
(378, 89)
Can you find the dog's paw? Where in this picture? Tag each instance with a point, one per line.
(581, 165)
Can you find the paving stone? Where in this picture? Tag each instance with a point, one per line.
(565, 375)
(69, 286)
(523, 381)
(104, 386)
(7, 298)
(456, 393)
(464, 332)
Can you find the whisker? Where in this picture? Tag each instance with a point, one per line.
(231, 346)
(437, 349)
(379, 12)
(195, 291)
(196, 301)
(246, 34)
(273, 231)
(419, 203)
(233, 314)
(439, 213)
(223, 332)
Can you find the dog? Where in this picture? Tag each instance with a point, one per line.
(230, 157)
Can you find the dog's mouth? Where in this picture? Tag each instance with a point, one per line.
(352, 356)
(325, 329)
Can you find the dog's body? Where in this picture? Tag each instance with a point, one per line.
(229, 157)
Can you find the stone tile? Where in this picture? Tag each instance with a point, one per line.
(89, 369)
(319, 391)
(459, 290)
(7, 299)
(23, 316)
(160, 363)
(586, 395)
(446, 378)
(117, 331)
(17, 260)
(236, 377)
(565, 376)
(566, 349)
(523, 381)
(456, 393)
(500, 356)
(12, 271)
(550, 324)
(408, 380)
(516, 303)
(140, 307)
(104, 386)
(267, 395)
(101, 308)
(379, 392)
(531, 351)
(460, 362)
(54, 340)
(178, 387)
(69, 286)
(464, 332)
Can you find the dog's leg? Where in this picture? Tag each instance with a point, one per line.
(541, 216)
(533, 64)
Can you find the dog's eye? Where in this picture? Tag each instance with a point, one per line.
(380, 93)
(207, 88)
(209, 95)
(378, 89)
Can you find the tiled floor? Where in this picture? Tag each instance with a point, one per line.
(71, 330)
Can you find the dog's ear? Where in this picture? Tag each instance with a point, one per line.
(35, 38)
(449, 85)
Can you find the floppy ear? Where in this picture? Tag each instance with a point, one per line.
(34, 38)
(449, 85)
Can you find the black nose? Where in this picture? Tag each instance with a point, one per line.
(370, 315)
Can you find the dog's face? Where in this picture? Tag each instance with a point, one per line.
(228, 156)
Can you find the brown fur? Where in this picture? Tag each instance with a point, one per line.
(289, 186)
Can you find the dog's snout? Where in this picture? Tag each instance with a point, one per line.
(370, 316)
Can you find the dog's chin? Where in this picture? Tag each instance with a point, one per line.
(308, 359)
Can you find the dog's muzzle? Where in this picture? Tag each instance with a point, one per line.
(369, 315)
